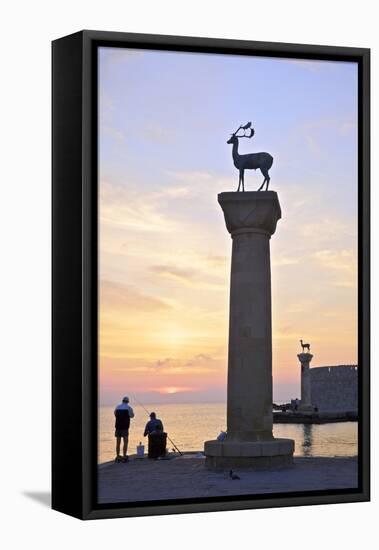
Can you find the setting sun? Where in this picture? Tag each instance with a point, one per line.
(174, 389)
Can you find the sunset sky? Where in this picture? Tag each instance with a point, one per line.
(164, 251)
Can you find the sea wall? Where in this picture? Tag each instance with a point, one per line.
(335, 388)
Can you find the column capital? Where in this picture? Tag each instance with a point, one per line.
(250, 211)
(305, 358)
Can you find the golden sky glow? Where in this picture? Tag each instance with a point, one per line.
(164, 330)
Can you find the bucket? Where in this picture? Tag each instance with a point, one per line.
(140, 450)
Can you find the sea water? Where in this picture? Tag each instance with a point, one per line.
(188, 425)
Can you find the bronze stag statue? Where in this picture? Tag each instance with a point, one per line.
(263, 161)
(305, 346)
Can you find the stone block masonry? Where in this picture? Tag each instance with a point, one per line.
(335, 388)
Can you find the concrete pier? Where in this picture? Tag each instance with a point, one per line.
(306, 395)
(251, 219)
(186, 477)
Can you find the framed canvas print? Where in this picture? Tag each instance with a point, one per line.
(210, 274)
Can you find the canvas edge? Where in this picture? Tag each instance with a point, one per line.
(67, 422)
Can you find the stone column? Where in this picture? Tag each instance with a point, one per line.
(251, 219)
(306, 395)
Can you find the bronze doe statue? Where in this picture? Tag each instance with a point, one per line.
(263, 161)
(305, 346)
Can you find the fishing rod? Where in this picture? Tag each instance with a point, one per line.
(147, 412)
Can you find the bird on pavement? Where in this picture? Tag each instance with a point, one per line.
(233, 476)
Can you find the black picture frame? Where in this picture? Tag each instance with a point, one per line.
(74, 272)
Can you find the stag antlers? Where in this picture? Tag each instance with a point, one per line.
(244, 128)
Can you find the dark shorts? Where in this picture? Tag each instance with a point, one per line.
(121, 433)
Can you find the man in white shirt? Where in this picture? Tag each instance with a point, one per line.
(123, 413)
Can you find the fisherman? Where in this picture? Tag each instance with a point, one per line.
(157, 442)
(123, 413)
(167, 437)
(156, 436)
(153, 424)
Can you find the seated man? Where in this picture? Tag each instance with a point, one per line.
(157, 443)
(152, 425)
(157, 437)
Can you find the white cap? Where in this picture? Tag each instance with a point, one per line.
(125, 399)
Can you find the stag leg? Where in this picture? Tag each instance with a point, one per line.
(266, 176)
(240, 181)
(243, 180)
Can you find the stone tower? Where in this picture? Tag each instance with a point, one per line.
(306, 387)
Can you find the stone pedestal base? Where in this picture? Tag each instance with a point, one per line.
(306, 408)
(223, 455)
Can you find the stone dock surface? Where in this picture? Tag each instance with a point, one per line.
(187, 477)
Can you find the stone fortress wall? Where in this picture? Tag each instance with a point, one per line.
(335, 388)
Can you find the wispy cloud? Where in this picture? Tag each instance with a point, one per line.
(325, 230)
(312, 66)
(344, 260)
(200, 363)
(341, 264)
(285, 260)
(172, 271)
(217, 261)
(118, 296)
(130, 209)
(313, 145)
(157, 134)
(114, 133)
